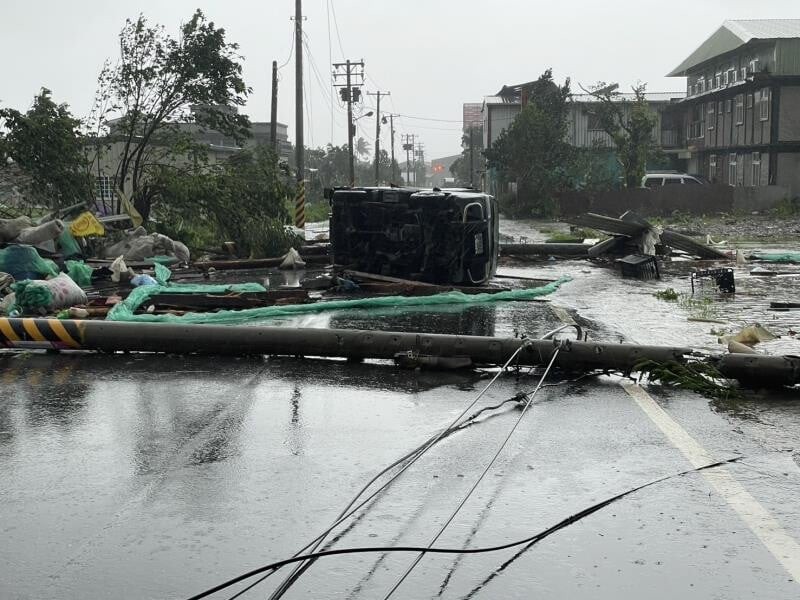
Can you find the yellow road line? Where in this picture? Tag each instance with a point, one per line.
(765, 527)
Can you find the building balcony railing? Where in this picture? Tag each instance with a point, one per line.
(672, 138)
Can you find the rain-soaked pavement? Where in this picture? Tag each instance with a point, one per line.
(149, 477)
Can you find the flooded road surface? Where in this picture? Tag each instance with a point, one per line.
(136, 477)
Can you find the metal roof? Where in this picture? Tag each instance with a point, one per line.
(629, 96)
(735, 34)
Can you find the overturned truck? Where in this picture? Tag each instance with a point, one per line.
(438, 236)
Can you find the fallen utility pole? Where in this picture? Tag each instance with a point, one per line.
(111, 336)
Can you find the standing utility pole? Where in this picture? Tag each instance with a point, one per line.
(273, 119)
(471, 157)
(408, 146)
(350, 93)
(300, 197)
(391, 127)
(378, 134)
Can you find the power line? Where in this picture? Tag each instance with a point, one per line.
(482, 475)
(336, 25)
(530, 540)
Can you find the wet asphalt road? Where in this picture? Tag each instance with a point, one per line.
(156, 477)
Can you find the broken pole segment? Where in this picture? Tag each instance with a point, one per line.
(112, 336)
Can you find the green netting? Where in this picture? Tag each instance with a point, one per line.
(778, 257)
(162, 274)
(79, 272)
(162, 260)
(124, 311)
(30, 296)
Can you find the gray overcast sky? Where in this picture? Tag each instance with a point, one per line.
(433, 55)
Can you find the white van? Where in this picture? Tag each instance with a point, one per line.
(658, 179)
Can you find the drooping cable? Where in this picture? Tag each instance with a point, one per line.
(533, 539)
(483, 474)
(411, 457)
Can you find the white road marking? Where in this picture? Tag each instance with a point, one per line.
(766, 528)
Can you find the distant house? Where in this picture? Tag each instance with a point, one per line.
(740, 121)
(583, 130)
(220, 148)
(440, 170)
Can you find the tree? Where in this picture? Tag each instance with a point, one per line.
(47, 146)
(630, 124)
(362, 147)
(466, 168)
(240, 200)
(533, 151)
(152, 89)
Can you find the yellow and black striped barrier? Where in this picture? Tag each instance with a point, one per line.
(300, 205)
(40, 333)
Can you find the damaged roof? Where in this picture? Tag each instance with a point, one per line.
(735, 34)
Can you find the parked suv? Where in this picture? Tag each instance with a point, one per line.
(658, 179)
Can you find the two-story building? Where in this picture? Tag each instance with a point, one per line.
(739, 123)
(583, 126)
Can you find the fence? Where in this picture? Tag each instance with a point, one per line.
(665, 200)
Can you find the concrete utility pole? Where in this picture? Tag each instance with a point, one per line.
(408, 146)
(472, 157)
(350, 93)
(419, 152)
(300, 197)
(378, 95)
(273, 119)
(391, 127)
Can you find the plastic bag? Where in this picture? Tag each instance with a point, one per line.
(68, 246)
(292, 260)
(79, 272)
(141, 280)
(24, 262)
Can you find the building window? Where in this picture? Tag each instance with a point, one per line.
(731, 169)
(712, 168)
(756, 169)
(739, 109)
(710, 119)
(719, 108)
(104, 189)
(733, 75)
(744, 73)
(717, 80)
(728, 105)
(701, 86)
(749, 100)
(726, 77)
(763, 110)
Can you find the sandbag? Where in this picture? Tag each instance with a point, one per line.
(41, 233)
(181, 251)
(11, 228)
(53, 294)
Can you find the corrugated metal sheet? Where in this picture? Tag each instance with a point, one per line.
(787, 57)
(733, 35)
